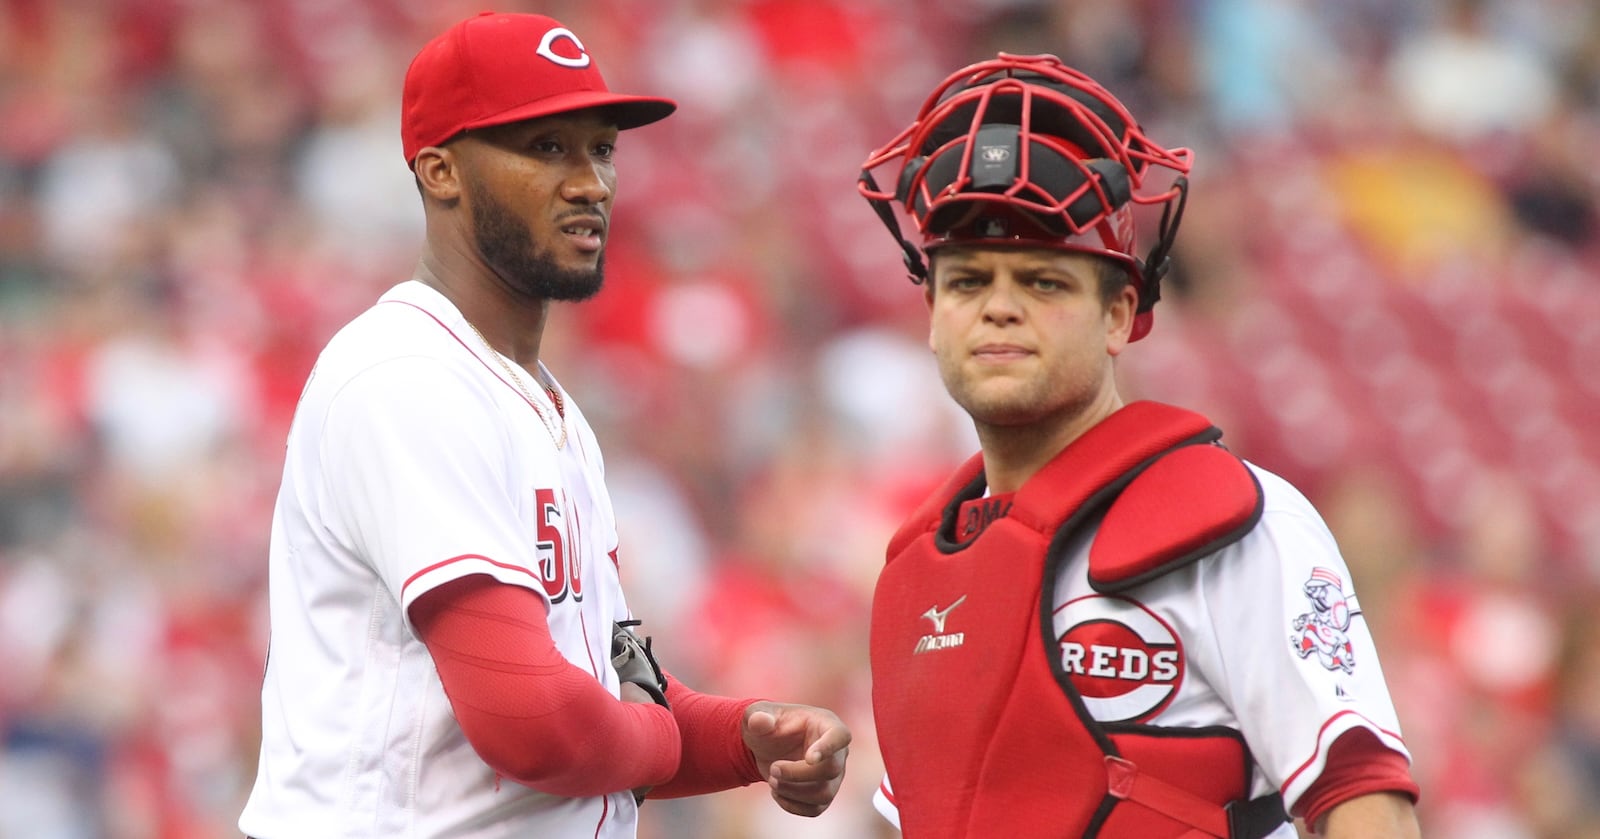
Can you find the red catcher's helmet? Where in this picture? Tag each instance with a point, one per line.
(1026, 151)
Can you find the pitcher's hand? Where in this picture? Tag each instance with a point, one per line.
(800, 750)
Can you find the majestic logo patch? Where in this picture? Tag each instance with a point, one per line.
(1124, 661)
(1323, 630)
(940, 640)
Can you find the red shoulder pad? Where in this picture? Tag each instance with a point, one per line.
(929, 513)
(1189, 503)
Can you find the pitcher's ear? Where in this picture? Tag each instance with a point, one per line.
(437, 173)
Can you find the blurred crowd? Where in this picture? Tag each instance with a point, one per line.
(1387, 289)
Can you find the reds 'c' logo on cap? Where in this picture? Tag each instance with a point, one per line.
(1124, 661)
(547, 48)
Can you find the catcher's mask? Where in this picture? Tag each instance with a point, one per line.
(1025, 151)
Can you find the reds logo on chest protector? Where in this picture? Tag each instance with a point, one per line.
(982, 732)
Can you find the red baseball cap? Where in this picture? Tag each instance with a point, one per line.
(498, 68)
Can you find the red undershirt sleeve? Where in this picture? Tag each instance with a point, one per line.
(1358, 764)
(715, 757)
(530, 714)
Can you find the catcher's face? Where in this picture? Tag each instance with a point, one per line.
(539, 194)
(1022, 336)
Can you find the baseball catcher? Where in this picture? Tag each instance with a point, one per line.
(1083, 632)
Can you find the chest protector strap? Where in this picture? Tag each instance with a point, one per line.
(1238, 819)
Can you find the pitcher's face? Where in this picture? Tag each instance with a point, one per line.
(540, 194)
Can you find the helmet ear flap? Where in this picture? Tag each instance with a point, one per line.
(902, 190)
(1114, 182)
(1113, 179)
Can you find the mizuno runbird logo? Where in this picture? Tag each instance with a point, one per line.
(938, 615)
(939, 639)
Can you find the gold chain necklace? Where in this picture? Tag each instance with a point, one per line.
(555, 396)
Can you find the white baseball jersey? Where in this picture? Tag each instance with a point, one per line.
(1265, 637)
(413, 460)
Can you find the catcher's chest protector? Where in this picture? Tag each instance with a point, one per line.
(981, 731)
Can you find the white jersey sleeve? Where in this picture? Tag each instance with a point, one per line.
(419, 478)
(1290, 651)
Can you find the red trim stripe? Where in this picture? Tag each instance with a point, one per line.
(605, 809)
(437, 565)
(587, 648)
(1288, 782)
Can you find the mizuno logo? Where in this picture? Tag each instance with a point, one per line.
(939, 640)
(938, 615)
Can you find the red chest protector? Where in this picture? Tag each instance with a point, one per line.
(981, 731)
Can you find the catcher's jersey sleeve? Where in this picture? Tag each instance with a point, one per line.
(1291, 653)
